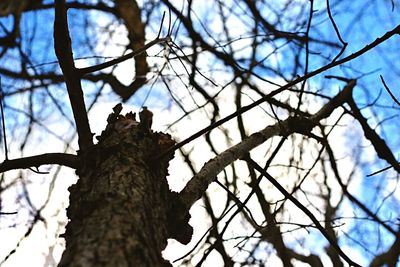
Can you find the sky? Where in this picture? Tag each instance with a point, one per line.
(371, 19)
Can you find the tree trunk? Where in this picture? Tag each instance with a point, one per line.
(121, 210)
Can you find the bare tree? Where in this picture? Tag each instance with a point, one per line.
(281, 117)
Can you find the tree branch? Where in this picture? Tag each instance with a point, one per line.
(298, 124)
(390, 257)
(377, 142)
(130, 13)
(389, 91)
(304, 209)
(352, 198)
(308, 75)
(84, 71)
(68, 160)
(62, 45)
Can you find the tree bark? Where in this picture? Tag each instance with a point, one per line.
(121, 210)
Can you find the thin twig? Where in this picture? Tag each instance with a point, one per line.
(381, 170)
(302, 208)
(196, 187)
(389, 91)
(307, 43)
(8, 213)
(334, 24)
(84, 71)
(169, 22)
(3, 121)
(337, 32)
(161, 24)
(244, 109)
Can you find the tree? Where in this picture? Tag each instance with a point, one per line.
(286, 152)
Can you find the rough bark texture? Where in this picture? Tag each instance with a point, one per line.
(121, 210)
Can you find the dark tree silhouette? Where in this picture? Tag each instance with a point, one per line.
(254, 133)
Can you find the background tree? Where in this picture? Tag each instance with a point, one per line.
(263, 75)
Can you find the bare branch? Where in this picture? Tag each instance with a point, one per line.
(62, 45)
(390, 257)
(378, 143)
(304, 209)
(389, 91)
(381, 170)
(352, 198)
(68, 160)
(84, 71)
(199, 183)
(242, 110)
(337, 31)
(3, 122)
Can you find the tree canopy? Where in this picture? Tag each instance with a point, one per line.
(285, 115)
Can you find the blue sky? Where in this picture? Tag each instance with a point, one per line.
(359, 22)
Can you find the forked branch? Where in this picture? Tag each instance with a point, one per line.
(62, 45)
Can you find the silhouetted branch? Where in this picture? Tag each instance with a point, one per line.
(304, 209)
(336, 30)
(390, 257)
(352, 198)
(303, 125)
(62, 45)
(68, 160)
(389, 91)
(3, 122)
(377, 142)
(84, 71)
(381, 170)
(242, 110)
